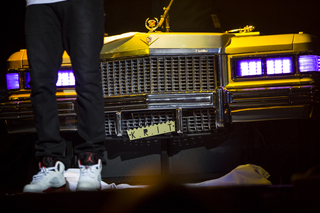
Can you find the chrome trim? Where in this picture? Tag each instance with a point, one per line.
(23, 109)
(272, 113)
(179, 51)
(19, 115)
(159, 101)
(220, 109)
(271, 103)
(169, 101)
(179, 122)
(223, 70)
(118, 124)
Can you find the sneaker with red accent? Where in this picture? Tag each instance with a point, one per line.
(90, 172)
(49, 179)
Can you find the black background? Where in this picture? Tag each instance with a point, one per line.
(269, 17)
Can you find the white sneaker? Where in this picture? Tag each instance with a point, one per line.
(90, 173)
(49, 179)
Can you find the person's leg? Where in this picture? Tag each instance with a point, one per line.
(84, 40)
(44, 48)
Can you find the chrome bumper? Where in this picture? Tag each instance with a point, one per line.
(19, 115)
(192, 112)
(124, 113)
(272, 103)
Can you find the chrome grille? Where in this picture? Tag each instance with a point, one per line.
(158, 74)
(194, 121)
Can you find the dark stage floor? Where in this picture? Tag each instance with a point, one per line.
(280, 155)
(167, 197)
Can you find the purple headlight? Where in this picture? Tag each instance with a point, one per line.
(27, 79)
(309, 63)
(13, 81)
(249, 67)
(281, 65)
(66, 78)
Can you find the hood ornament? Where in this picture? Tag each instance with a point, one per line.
(246, 29)
(153, 24)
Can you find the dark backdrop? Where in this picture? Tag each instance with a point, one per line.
(269, 17)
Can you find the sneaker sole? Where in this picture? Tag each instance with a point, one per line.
(83, 188)
(49, 190)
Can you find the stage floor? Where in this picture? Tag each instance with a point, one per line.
(169, 197)
(164, 197)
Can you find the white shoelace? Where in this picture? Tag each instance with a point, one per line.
(43, 172)
(88, 170)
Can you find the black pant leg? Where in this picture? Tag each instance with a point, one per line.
(44, 48)
(84, 34)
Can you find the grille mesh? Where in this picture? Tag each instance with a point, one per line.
(194, 121)
(161, 74)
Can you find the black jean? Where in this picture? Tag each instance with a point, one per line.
(76, 26)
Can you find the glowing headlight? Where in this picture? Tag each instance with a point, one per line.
(281, 65)
(13, 81)
(65, 78)
(264, 66)
(309, 63)
(249, 67)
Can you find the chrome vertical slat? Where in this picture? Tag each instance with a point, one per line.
(179, 120)
(118, 128)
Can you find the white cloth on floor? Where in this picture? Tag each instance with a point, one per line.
(72, 176)
(248, 174)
